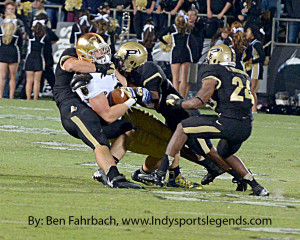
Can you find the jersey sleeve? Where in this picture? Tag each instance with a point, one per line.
(68, 53)
(211, 72)
(152, 78)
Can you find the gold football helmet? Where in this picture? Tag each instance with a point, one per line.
(129, 56)
(221, 54)
(91, 47)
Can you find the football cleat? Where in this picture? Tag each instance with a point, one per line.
(260, 191)
(241, 185)
(209, 177)
(153, 178)
(181, 182)
(121, 182)
(100, 176)
(135, 177)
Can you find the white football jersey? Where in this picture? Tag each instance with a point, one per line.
(98, 85)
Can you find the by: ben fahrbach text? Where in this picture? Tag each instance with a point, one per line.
(71, 220)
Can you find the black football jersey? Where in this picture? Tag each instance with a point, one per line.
(62, 89)
(151, 76)
(232, 94)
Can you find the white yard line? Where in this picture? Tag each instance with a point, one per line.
(28, 117)
(26, 108)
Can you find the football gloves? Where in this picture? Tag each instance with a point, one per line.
(130, 93)
(174, 100)
(144, 94)
(104, 69)
(80, 81)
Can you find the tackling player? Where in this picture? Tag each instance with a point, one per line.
(131, 62)
(230, 88)
(92, 54)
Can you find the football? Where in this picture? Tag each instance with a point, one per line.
(117, 96)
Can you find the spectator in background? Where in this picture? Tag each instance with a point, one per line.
(53, 12)
(222, 36)
(238, 41)
(249, 11)
(219, 7)
(196, 40)
(11, 43)
(34, 61)
(148, 38)
(83, 26)
(92, 5)
(253, 59)
(181, 56)
(199, 5)
(140, 17)
(48, 73)
(120, 5)
(293, 9)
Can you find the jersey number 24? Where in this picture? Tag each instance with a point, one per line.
(237, 94)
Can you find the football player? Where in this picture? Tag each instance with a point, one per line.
(91, 54)
(230, 88)
(131, 63)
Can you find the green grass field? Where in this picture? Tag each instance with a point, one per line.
(45, 172)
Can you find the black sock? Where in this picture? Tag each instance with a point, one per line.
(162, 170)
(252, 183)
(113, 172)
(250, 180)
(211, 166)
(235, 174)
(116, 160)
(174, 172)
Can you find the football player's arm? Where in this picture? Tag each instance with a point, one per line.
(154, 86)
(109, 114)
(202, 96)
(72, 64)
(121, 78)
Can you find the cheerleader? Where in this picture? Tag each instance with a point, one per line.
(103, 27)
(148, 38)
(34, 62)
(83, 26)
(181, 56)
(253, 59)
(10, 45)
(238, 41)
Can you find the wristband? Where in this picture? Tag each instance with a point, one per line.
(130, 102)
(199, 99)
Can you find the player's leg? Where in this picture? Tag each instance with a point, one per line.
(120, 145)
(82, 122)
(227, 150)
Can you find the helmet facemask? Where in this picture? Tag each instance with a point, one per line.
(100, 55)
(92, 48)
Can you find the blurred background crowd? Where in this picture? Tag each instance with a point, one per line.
(176, 33)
